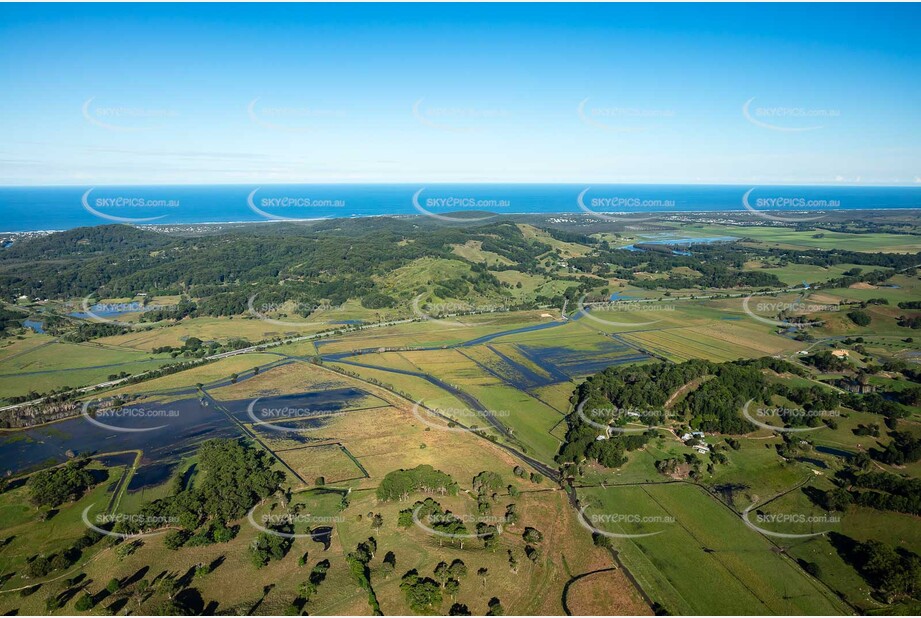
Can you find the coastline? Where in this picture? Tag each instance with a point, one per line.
(658, 214)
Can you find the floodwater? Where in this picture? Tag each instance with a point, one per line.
(171, 431)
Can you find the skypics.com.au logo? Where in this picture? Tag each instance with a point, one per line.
(457, 119)
(614, 420)
(788, 521)
(596, 523)
(619, 119)
(122, 118)
(453, 418)
(271, 416)
(786, 312)
(617, 208)
(101, 311)
(795, 416)
(106, 207)
(98, 414)
(787, 119)
(269, 207)
(766, 206)
(126, 526)
(457, 203)
(313, 313)
(291, 118)
(591, 310)
(285, 524)
(435, 312)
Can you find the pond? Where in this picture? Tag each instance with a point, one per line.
(35, 325)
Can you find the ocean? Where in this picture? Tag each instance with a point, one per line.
(59, 208)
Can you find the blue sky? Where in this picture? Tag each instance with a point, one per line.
(742, 94)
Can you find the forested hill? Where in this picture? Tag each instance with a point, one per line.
(714, 405)
(335, 259)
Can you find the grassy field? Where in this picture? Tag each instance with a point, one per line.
(718, 343)
(566, 249)
(473, 251)
(795, 274)
(705, 561)
(31, 366)
(908, 289)
(530, 420)
(19, 519)
(328, 461)
(789, 238)
(210, 372)
(211, 329)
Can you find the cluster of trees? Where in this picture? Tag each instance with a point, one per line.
(193, 347)
(904, 495)
(423, 594)
(533, 537)
(487, 486)
(904, 448)
(77, 331)
(358, 561)
(183, 309)
(877, 490)
(234, 478)
(714, 406)
(894, 572)
(669, 465)
(268, 546)
(910, 371)
(42, 565)
(399, 484)
(603, 395)
(522, 473)
(10, 320)
(826, 362)
(876, 403)
(56, 486)
(858, 317)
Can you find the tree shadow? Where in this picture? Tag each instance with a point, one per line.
(138, 576)
(186, 579)
(265, 592)
(190, 601)
(216, 563)
(117, 606)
